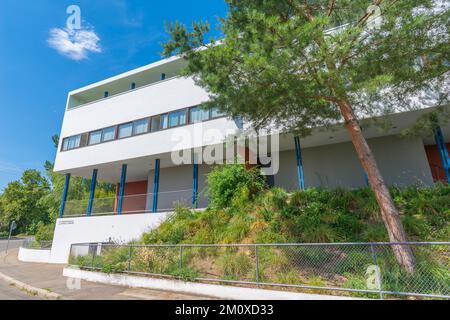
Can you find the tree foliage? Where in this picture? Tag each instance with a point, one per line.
(285, 58)
(21, 201)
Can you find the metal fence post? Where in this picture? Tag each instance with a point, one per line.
(374, 257)
(93, 255)
(130, 248)
(181, 259)
(257, 265)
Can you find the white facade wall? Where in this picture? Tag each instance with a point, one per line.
(402, 162)
(144, 102)
(119, 229)
(34, 255)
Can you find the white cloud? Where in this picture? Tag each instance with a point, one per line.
(74, 44)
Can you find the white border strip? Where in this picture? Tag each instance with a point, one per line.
(201, 289)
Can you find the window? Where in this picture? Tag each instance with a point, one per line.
(215, 113)
(156, 121)
(95, 137)
(164, 121)
(140, 127)
(125, 130)
(177, 118)
(65, 144)
(71, 142)
(198, 115)
(109, 134)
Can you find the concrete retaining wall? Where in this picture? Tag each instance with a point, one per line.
(117, 228)
(211, 290)
(34, 255)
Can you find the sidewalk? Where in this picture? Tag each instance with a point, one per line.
(49, 277)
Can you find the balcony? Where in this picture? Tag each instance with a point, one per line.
(124, 83)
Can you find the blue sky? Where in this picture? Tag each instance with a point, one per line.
(36, 75)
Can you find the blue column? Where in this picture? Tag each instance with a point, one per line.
(163, 76)
(440, 141)
(366, 179)
(195, 183)
(64, 196)
(92, 192)
(156, 186)
(298, 155)
(123, 180)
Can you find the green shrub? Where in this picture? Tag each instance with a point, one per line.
(235, 266)
(45, 232)
(226, 181)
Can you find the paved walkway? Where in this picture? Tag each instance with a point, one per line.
(49, 277)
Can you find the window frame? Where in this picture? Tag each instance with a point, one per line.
(122, 125)
(78, 141)
(147, 120)
(179, 112)
(114, 136)
(92, 133)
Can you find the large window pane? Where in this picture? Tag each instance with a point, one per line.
(215, 113)
(177, 118)
(73, 142)
(109, 134)
(156, 123)
(95, 137)
(125, 130)
(140, 126)
(65, 144)
(198, 115)
(164, 121)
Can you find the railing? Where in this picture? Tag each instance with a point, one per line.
(355, 269)
(132, 204)
(39, 245)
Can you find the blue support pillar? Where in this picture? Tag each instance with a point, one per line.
(440, 141)
(92, 192)
(156, 186)
(195, 183)
(366, 179)
(298, 155)
(64, 196)
(123, 180)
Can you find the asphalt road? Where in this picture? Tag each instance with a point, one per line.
(8, 292)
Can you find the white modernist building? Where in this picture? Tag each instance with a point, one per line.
(126, 130)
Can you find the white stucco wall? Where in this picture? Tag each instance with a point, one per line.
(402, 162)
(121, 229)
(34, 255)
(162, 97)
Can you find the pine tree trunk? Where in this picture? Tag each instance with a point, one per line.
(389, 212)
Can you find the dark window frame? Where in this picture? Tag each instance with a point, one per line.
(133, 134)
(95, 132)
(121, 125)
(103, 134)
(179, 124)
(187, 111)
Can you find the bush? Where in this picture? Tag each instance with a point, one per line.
(227, 181)
(45, 232)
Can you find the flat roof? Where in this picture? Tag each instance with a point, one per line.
(126, 74)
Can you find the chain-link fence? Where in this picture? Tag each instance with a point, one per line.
(355, 269)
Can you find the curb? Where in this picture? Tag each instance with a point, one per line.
(30, 289)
